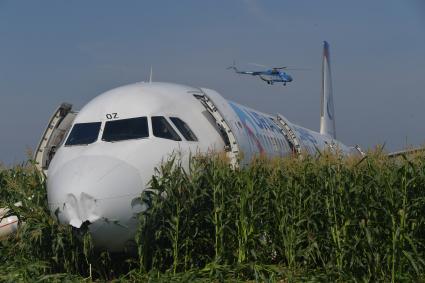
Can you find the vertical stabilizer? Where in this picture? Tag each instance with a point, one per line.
(327, 113)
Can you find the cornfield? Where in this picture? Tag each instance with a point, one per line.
(323, 218)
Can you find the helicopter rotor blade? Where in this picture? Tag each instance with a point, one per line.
(280, 67)
(268, 67)
(291, 68)
(259, 65)
(298, 69)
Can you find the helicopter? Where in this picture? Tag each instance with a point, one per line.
(270, 76)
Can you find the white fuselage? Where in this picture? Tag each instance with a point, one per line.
(100, 182)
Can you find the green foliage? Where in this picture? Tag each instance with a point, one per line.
(41, 246)
(357, 218)
(324, 218)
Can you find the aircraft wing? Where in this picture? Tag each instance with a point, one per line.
(406, 152)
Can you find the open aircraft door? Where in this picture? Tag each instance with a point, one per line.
(54, 134)
(288, 132)
(216, 106)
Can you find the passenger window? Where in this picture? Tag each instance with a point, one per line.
(126, 129)
(162, 129)
(83, 134)
(184, 129)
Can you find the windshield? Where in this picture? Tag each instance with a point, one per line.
(126, 129)
(83, 134)
(162, 129)
(184, 129)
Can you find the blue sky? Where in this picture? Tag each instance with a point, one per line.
(56, 51)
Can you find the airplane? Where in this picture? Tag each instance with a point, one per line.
(270, 76)
(99, 160)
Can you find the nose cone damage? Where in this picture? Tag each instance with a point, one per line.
(76, 211)
(101, 190)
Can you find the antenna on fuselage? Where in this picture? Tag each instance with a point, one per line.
(150, 76)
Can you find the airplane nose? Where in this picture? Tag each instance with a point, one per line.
(101, 190)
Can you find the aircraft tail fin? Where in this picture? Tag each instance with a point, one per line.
(327, 112)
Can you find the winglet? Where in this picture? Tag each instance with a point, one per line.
(327, 113)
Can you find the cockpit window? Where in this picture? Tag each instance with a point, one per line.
(184, 129)
(83, 134)
(126, 129)
(162, 129)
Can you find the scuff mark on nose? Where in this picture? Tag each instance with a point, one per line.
(71, 209)
(90, 208)
(80, 211)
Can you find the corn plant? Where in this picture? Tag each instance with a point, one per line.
(315, 218)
